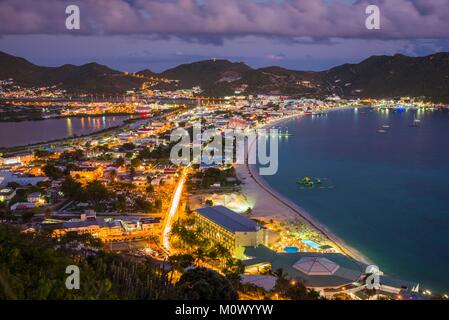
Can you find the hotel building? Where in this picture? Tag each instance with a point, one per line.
(230, 229)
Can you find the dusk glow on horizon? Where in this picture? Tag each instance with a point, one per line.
(155, 34)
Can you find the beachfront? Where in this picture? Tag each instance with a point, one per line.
(269, 204)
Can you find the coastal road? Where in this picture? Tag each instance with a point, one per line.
(173, 209)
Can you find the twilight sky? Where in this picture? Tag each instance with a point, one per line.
(158, 34)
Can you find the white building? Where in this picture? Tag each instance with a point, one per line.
(23, 180)
(7, 194)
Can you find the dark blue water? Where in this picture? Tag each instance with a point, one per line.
(390, 195)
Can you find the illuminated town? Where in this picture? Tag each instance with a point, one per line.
(227, 158)
(120, 187)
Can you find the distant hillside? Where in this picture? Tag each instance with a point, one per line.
(390, 76)
(205, 73)
(277, 80)
(222, 77)
(147, 73)
(215, 77)
(90, 78)
(377, 76)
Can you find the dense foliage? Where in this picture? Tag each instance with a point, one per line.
(32, 266)
(205, 284)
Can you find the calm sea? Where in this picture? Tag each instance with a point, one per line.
(385, 193)
(28, 132)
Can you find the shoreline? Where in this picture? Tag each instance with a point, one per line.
(69, 139)
(268, 202)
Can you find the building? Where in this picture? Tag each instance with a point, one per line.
(87, 173)
(7, 176)
(7, 194)
(110, 229)
(18, 159)
(318, 271)
(22, 206)
(36, 198)
(237, 123)
(230, 229)
(328, 273)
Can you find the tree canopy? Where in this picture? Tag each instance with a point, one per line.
(205, 284)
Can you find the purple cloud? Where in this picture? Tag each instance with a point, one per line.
(218, 19)
(276, 56)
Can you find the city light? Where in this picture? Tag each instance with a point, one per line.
(172, 211)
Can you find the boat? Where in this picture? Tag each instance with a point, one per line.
(381, 131)
(415, 123)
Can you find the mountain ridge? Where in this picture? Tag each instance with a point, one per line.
(378, 76)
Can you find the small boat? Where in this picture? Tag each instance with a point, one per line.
(415, 123)
(381, 131)
(385, 126)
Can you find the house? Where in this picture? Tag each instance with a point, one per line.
(36, 198)
(7, 176)
(22, 206)
(237, 123)
(156, 181)
(7, 194)
(18, 159)
(109, 229)
(170, 171)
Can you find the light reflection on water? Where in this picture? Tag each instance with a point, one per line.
(69, 127)
(28, 132)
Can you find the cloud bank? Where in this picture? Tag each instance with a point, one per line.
(212, 20)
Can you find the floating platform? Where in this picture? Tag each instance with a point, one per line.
(315, 183)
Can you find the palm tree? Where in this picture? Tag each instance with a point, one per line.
(199, 255)
(179, 262)
(219, 252)
(282, 283)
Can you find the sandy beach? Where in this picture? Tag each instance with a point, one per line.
(269, 204)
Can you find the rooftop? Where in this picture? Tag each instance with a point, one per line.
(316, 266)
(229, 219)
(6, 191)
(328, 270)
